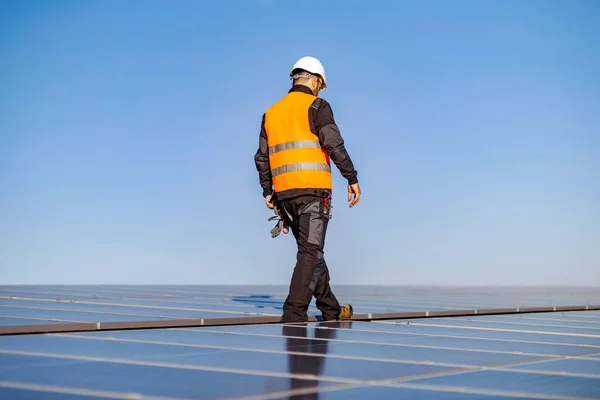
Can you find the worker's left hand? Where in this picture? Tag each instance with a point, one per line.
(268, 202)
(353, 194)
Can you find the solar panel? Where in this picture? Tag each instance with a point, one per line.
(552, 355)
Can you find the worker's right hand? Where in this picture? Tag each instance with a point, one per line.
(353, 194)
(268, 202)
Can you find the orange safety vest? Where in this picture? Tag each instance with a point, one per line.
(295, 154)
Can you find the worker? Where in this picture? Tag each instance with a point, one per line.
(298, 138)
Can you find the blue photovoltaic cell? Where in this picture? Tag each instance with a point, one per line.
(505, 346)
(237, 303)
(20, 394)
(43, 295)
(521, 382)
(95, 348)
(132, 304)
(214, 357)
(365, 299)
(525, 323)
(498, 333)
(40, 308)
(4, 321)
(593, 314)
(474, 322)
(559, 315)
(150, 380)
(9, 362)
(229, 306)
(494, 345)
(45, 316)
(387, 332)
(379, 392)
(322, 341)
(125, 362)
(309, 364)
(578, 366)
(278, 331)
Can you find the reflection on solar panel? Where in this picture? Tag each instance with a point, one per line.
(552, 355)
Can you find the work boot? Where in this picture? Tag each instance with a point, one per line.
(346, 312)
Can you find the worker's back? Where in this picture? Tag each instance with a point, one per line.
(295, 155)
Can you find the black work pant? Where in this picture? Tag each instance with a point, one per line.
(307, 217)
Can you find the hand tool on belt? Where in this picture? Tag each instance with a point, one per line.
(281, 224)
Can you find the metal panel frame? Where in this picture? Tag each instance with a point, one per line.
(195, 323)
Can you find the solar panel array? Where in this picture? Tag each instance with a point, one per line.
(24, 305)
(541, 355)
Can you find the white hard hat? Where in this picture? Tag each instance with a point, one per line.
(312, 65)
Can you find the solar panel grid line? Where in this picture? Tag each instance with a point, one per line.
(194, 292)
(262, 373)
(40, 319)
(566, 323)
(237, 305)
(193, 301)
(563, 319)
(454, 301)
(126, 300)
(406, 382)
(160, 292)
(114, 289)
(245, 310)
(451, 303)
(87, 311)
(498, 329)
(313, 354)
(488, 392)
(109, 290)
(567, 365)
(71, 293)
(195, 367)
(81, 391)
(552, 373)
(165, 297)
(297, 393)
(527, 323)
(357, 342)
(183, 293)
(501, 366)
(139, 306)
(419, 387)
(10, 294)
(594, 318)
(391, 344)
(453, 336)
(123, 296)
(457, 292)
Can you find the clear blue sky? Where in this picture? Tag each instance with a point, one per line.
(128, 130)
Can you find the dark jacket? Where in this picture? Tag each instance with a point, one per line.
(323, 125)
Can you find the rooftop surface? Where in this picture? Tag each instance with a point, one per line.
(551, 355)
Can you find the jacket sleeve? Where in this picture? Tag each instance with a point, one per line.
(261, 159)
(331, 140)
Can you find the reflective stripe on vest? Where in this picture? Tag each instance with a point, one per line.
(296, 157)
(302, 166)
(297, 144)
